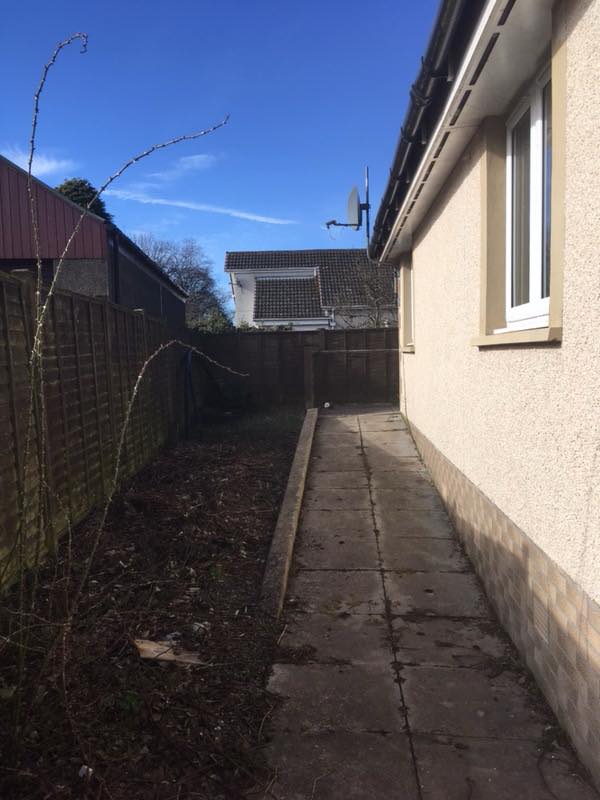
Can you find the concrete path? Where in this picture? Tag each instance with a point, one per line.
(394, 679)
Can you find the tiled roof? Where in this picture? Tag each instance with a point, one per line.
(287, 298)
(293, 259)
(357, 283)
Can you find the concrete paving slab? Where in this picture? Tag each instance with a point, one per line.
(413, 522)
(348, 459)
(385, 439)
(333, 592)
(441, 642)
(383, 427)
(349, 638)
(323, 549)
(337, 480)
(409, 474)
(317, 698)
(340, 733)
(467, 702)
(402, 446)
(382, 423)
(332, 499)
(342, 766)
(384, 461)
(394, 465)
(487, 769)
(452, 594)
(345, 439)
(338, 521)
(339, 424)
(422, 555)
(425, 497)
(324, 449)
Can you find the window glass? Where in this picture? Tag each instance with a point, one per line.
(520, 209)
(408, 308)
(547, 178)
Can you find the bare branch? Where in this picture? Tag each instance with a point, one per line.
(133, 160)
(83, 37)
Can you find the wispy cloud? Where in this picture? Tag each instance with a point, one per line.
(42, 164)
(141, 197)
(184, 165)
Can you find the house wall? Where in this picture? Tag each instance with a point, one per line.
(244, 287)
(512, 434)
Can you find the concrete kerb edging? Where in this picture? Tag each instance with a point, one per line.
(280, 555)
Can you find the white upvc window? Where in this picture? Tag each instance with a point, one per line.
(528, 211)
(407, 325)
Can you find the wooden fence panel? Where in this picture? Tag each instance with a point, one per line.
(92, 354)
(282, 369)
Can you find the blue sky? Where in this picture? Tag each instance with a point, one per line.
(315, 90)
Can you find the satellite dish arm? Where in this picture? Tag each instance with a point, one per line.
(366, 206)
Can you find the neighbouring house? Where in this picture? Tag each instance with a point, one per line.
(492, 216)
(311, 289)
(101, 261)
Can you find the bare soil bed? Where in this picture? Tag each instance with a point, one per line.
(181, 560)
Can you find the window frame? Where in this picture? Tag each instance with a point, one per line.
(406, 316)
(534, 313)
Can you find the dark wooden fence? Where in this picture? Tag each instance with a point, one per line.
(307, 368)
(93, 352)
(354, 376)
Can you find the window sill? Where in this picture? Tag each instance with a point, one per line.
(528, 336)
(407, 348)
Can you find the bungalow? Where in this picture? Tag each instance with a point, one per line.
(101, 260)
(492, 216)
(311, 289)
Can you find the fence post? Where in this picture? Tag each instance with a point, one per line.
(16, 447)
(103, 470)
(80, 403)
(109, 382)
(63, 405)
(309, 378)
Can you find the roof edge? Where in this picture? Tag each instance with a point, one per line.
(447, 44)
(55, 192)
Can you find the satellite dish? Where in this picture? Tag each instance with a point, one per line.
(354, 209)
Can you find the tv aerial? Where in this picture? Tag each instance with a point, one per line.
(355, 210)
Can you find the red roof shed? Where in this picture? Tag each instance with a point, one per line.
(57, 217)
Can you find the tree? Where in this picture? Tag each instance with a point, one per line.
(215, 322)
(189, 267)
(81, 191)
